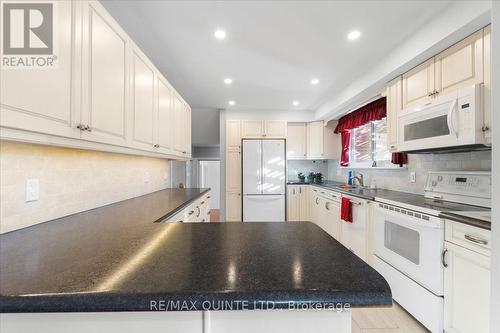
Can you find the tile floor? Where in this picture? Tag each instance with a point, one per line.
(385, 320)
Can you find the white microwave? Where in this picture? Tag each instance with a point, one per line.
(451, 121)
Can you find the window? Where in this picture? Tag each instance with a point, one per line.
(369, 146)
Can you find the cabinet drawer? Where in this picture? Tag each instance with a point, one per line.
(470, 237)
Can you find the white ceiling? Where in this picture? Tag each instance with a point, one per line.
(272, 50)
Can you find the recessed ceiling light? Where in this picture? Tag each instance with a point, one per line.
(295, 103)
(353, 35)
(314, 81)
(231, 102)
(228, 80)
(220, 34)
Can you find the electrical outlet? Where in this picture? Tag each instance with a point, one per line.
(146, 177)
(413, 177)
(32, 189)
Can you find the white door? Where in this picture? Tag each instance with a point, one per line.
(46, 100)
(466, 291)
(296, 141)
(252, 167)
(105, 77)
(164, 124)
(179, 123)
(210, 177)
(273, 161)
(143, 105)
(264, 208)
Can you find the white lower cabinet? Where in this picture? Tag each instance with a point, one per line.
(198, 211)
(233, 206)
(298, 203)
(466, 281)
(325, 211)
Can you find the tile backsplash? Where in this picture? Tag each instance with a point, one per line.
(70, 181)
(399, 179)
(306, 166)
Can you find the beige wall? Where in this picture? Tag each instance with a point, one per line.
(71, 181)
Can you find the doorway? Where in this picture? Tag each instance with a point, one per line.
(209, 176)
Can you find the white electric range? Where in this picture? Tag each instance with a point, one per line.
(409, 238)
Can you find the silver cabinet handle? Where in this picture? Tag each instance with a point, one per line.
(156, 146)
(300, 190)
(485, 128)
(327, 205)
(443, 258)
(199, 211)
(191, 212)
(475, 239)
(317, 199)
(202, 203)
(208, 197)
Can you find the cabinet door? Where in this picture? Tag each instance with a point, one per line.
(187, 130)
(233, 135)
(333, 218)
(179, 124)
(252, 128)
(105, 75)
(45, 100)
(304, 203)
(164, 124)
(460, 65)
(275, 129)
(293, 203)
(143, 106)
(233, 170)
(315, 139)
(466, 291)
(316, 209)
(487, 83)
(418, 84)
(233, 206)
(296, 141)
(394, 103)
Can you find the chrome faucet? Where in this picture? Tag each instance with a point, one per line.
(359, 177)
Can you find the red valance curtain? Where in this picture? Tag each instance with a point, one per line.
(372, 111)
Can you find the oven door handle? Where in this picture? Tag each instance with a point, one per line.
(397, 217)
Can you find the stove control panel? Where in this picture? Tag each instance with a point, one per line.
(472, 187)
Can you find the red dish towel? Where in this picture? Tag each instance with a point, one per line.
(346, 210)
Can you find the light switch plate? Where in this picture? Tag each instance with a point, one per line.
(32, 189)
(413, 177)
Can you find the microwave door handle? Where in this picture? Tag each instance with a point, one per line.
(449, 117)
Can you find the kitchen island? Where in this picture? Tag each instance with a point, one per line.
(114, 267)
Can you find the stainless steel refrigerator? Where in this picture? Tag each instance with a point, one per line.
(264, 180)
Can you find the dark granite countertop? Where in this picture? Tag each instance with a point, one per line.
(117, 259)
(473, 221)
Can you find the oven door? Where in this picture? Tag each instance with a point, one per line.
(431, 126)
(412, 243)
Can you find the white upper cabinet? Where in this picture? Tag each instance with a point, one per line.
(252, 128)
(315, 139)
(487, 83)
(275, 129)
(179, 122)
(103, 90)
(296, 142)
(394, 104)
(418, 84)
(322, 143)
(46, 100)
(143, 105)
(105, 77)
(460, 65)
(187, 129)
(164, 124)
(233, 135)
